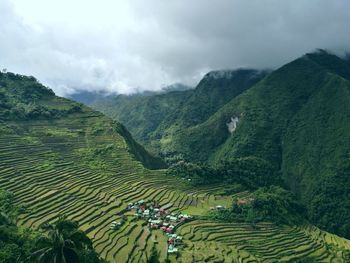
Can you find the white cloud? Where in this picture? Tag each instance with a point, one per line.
(132, 45)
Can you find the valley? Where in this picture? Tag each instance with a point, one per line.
(64, 185)
(296, 118)
(174, 131)
(83, 165)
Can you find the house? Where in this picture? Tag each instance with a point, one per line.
(154, 226)
(219, 207)
(116, 225)
(172, 249)
(184, 217)
(145, 213)
(173, 218)
(170, 229)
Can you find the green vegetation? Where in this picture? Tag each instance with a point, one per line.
(141, 114)
(332, 194)
(23, 97)
(267, 204)
(156, 120)
(154, 258)
(52, 166)
(297, 118)
(15, 244)
(265, 242)
(64, 242)
(250, 172)
(60, 242)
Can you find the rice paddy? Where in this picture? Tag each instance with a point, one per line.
(80, 167)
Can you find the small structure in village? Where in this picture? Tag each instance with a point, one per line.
(158, 217)
(217, 207)
(115, 225)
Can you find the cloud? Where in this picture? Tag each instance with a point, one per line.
(128, 46)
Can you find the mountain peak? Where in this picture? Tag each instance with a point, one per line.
(231, 73)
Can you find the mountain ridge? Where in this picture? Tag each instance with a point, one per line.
(270, 112)
(155, 120)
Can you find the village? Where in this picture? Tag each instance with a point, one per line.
(157, 217)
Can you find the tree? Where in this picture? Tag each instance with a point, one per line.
(63, 242)
(154, 258)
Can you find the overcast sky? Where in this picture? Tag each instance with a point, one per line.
(131, 45)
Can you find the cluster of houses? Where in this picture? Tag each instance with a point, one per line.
(160, 218)
(156, 216)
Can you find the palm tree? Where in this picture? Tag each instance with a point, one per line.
(5, 219)
(62, 243)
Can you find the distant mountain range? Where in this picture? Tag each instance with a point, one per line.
(296, 117)
(89, 97)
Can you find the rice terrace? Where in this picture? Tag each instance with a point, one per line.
(174, 131)
(84, 169)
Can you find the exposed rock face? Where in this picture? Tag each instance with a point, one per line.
(232, 125)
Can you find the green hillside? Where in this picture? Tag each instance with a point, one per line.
(58, 157)
(298, 118)
(155, 120)
(24, 99)
(139, 113)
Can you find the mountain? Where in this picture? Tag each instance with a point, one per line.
(90, 97)
(298, 119)
(60, 159)
(155, 120)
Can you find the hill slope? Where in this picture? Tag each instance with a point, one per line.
(24, 99)
(139, 113)
(155, 120)
(298, 118)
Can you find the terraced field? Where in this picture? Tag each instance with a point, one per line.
(81, 167)
(265, 242)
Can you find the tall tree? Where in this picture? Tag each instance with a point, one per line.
(63, 242)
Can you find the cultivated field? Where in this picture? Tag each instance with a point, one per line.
(80, 167)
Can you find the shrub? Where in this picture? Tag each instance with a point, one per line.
(251, 172)
(273, 204)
